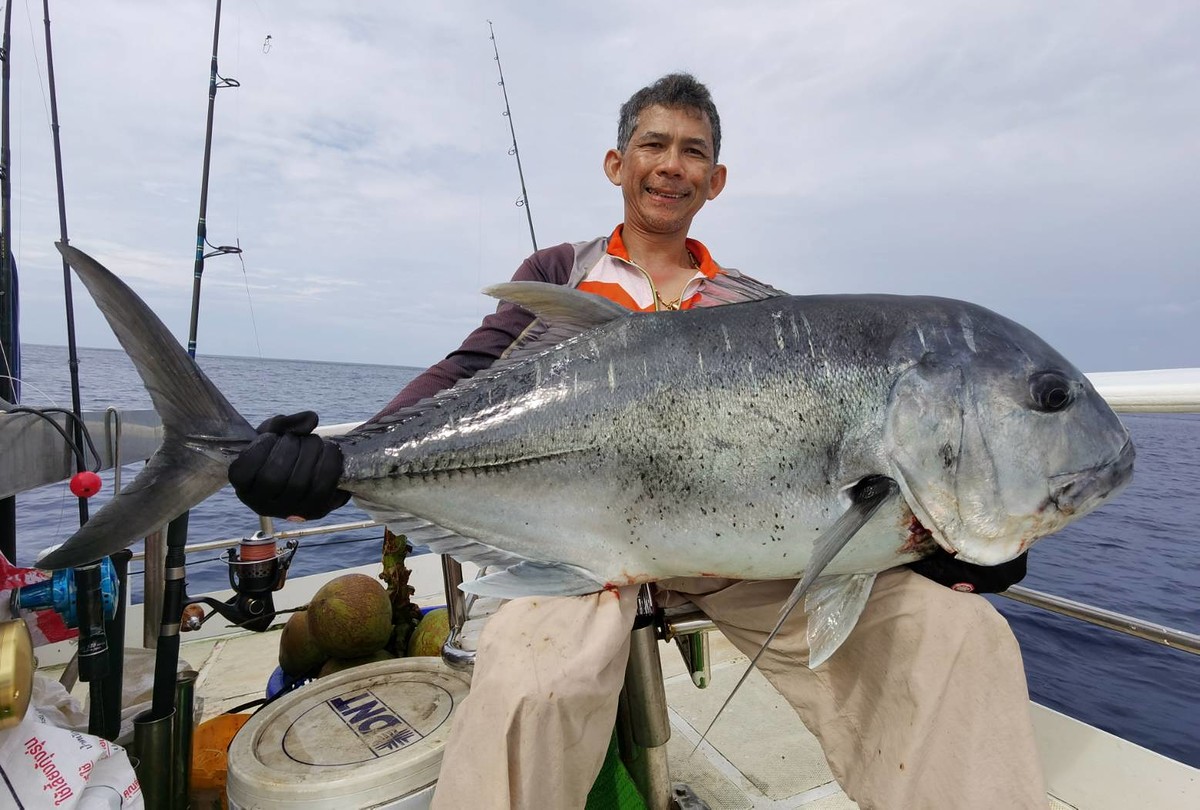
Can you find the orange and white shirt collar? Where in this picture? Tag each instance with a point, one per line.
(619, 279)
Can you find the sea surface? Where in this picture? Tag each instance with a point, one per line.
(1138, 555)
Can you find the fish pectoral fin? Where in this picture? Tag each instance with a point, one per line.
(833, 606)
(532, 578)
(865, 499)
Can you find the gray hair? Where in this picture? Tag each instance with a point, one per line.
(675, 91)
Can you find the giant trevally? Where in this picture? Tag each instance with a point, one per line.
(748, 441)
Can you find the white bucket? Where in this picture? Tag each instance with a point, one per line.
(368, 737)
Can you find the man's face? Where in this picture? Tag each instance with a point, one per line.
(667, 172)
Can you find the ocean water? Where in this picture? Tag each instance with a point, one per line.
(1138, 555)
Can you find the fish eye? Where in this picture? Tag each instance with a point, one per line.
(1050, 391)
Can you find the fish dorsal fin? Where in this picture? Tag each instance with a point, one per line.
(865, 499)
(556, 305)
(731, 287)
(561, 314)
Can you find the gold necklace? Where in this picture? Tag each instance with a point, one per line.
(678, 302)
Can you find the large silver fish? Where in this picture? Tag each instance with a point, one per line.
(752, 441)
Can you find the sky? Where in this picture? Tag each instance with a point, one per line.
(1041, 159)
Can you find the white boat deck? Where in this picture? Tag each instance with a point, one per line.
(759, 755)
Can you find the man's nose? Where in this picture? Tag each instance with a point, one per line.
(672, 163)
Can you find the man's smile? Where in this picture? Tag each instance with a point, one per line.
(665, 195)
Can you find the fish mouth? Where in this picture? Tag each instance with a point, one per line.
(919, 531)
(1080, 491)
(1071, 495)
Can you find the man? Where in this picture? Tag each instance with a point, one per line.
(924, 705)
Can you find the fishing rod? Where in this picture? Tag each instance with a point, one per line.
(72, 353)
(10, 338)
(93, 639)
(523, 202)
(162, 735)
(215, 82)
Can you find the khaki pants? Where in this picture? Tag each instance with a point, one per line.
(923, 706)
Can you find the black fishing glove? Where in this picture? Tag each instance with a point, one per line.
(946, 569)
(287, 471)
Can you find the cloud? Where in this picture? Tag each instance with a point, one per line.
(1037, 158)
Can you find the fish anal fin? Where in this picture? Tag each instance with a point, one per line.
(534, 579)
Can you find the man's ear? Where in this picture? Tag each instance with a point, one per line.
(717, 182)
(612, 166)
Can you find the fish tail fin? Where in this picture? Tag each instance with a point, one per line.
(201, 431)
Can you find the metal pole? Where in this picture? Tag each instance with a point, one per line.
(1168, 637)
(645, 702)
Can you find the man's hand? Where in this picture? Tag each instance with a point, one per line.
(946, 569)
(287, 471)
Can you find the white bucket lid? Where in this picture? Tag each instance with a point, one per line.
(358, 738)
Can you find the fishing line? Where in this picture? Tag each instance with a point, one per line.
(34, 42)
(26, 384)
(65, 490)
(77, 421)
(250, 302)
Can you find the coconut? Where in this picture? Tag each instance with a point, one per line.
(299, 653)
(338, 664)
(351, 616)
(431, 634)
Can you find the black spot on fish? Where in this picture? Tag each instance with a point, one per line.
(947, 454)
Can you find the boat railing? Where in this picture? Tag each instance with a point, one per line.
(686, 622)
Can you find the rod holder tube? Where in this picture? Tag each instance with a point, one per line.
(694, 649)
(647, 695)
(453, 655)
(154, 745)
(644, 708)
(181, 737)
